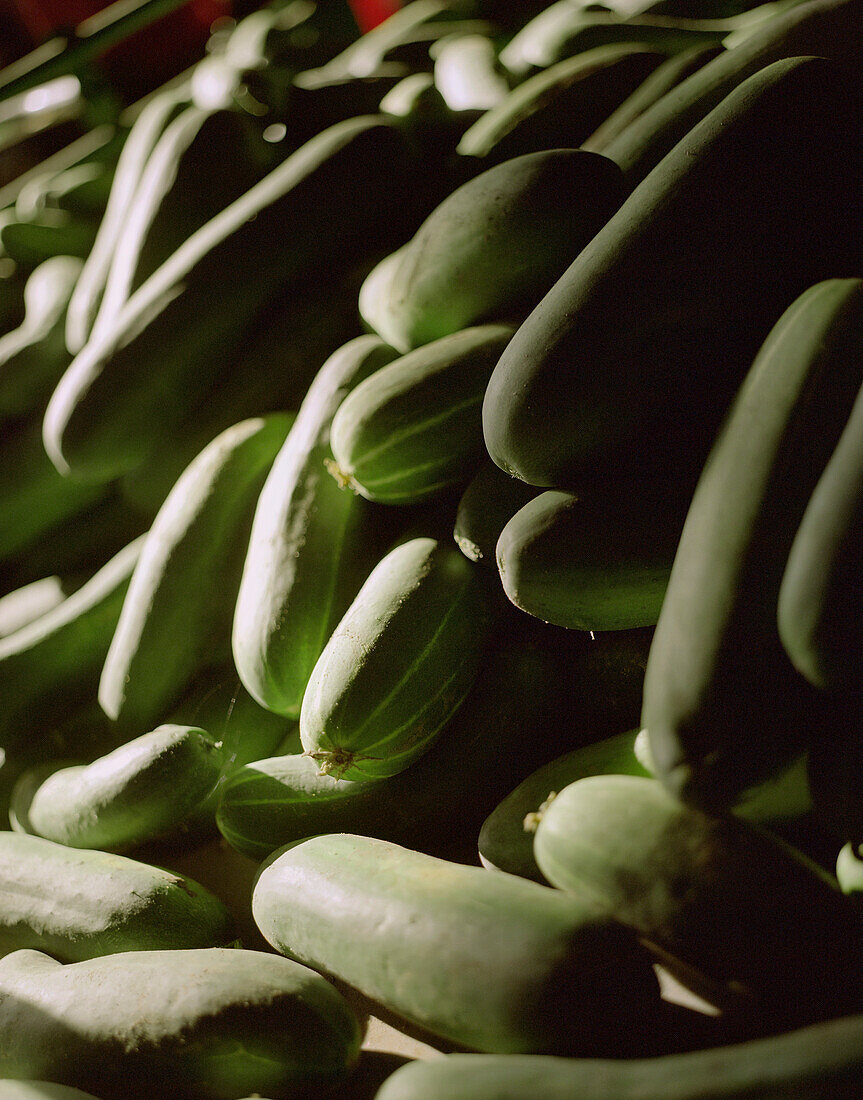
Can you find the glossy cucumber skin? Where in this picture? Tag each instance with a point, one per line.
(824, 1060)
(208, 1024)
(413, 428)
(311, 545)
(717, 679)
(535, 695)
(593, 561)
(605, 360)
(142, 790)
(826, 28)
(819, 604)
(690, 882)
(422, 935)
(79, 904)
(177, 612)
(125, 393)
(399, 663)
(492, 247)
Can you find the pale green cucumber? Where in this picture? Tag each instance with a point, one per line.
(177, 613)
(78, 904)
(141, 791)
(489, 961)
(195, 1024)
(399, 663)
(311, 545)
(413, 429)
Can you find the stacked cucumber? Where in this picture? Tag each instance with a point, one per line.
(431, 480)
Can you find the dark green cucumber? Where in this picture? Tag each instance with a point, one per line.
(492, 247)
(562, 105)
(692, 882)
(399, 663)
(426, 938)
(828, 28)
(594, 561)
(79, 904)
(635, 341)
(124, 394)
(177, 613)
(142, 790)
(34, 355)
(489, 501)
(413, 428)
(311, 545)
(723, 706)
(203, 1024)
(823, 1060)
(821, 594)
(505, 840)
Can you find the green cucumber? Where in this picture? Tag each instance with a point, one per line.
(505, 840)
(399, 663)
(124, 394)
(206, 1024)
(79, 904)
(34, 355)
(593, 561)
(562, 105)
(635, 342)
(413, 429)
(311, 545)
(176, 615)
(822, 1060)
(426, 938)
(490, 499)
(723, 706)
(692, 882)
(492, 247)
(142, 790)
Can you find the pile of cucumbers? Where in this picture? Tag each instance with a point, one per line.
(431, 487)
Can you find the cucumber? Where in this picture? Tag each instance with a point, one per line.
(422, 936)
(40, 1090)
(399, 663)
(820, 596)
(562, 105)
(492, 247)
(634, 341)
(143, 790)
(413, 428)
(205, 1024)
(311, 545)
(593, 561)
(826, 28)
(34, 355)
(177, 612)
(723, 706)
(691, 882)
(79, 904)
(505, 841)
(490, 499)
(824, 1060)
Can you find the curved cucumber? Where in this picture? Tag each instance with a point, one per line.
(399, 663)
(490, 499)
(414, 428)
(422, 936)
(203, 1024)
(597, 561)
(78, 904)
(140, 791)
(691, 882)
(492, 247)
(824, 1059)
(723, 706)
(311, 545)
(177, 613)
